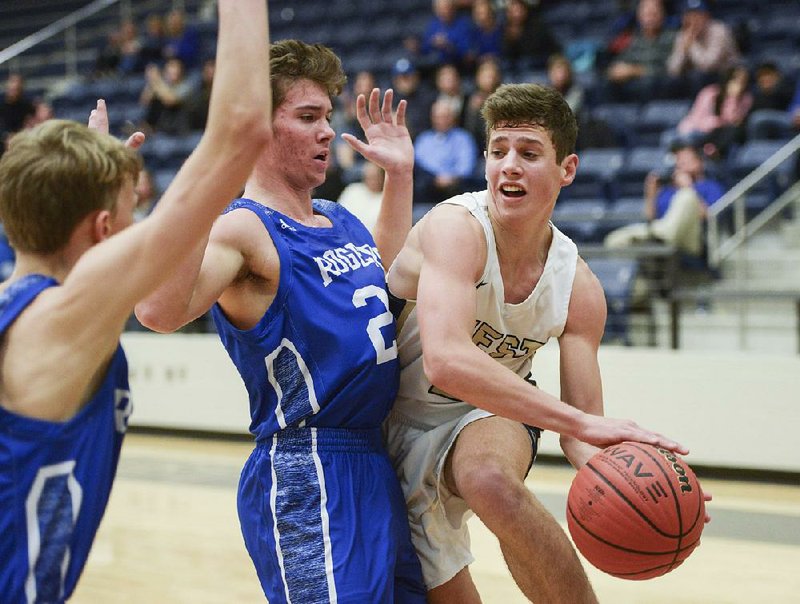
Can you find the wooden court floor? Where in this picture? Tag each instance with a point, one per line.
(171, 536)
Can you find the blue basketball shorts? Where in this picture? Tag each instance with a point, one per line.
(324, 520)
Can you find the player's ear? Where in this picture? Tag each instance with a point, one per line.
(101, 226)
(569, 167)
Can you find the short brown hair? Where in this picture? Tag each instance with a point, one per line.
(514, 105)
(53, 176)
(293, 60)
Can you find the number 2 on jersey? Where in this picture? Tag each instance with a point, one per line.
(384, 353)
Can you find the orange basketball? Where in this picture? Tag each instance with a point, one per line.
(635, 511)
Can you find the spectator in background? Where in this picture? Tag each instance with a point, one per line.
(16, 107)
(146, 195)
(488, 78)
(561, 77)
(675, 206)
(449, 88)
(164, 97)
(445, 156)
(363, 198)
(703, 48)
(487, 34)
(152, 43)
(344, 119)
(527, 40)
(772, 95)
(717, 115)
(181, 41)
(448, 34)
(409, 86)
(639, 71)
(42, 111)
(197, 105)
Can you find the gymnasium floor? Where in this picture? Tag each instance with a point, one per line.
(171, 536)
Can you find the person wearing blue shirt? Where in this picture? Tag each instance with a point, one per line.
(448, 34)
(675, 208)
(446, 156)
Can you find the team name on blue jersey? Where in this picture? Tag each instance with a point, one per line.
(341, 260)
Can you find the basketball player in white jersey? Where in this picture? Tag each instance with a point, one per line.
(489, 280)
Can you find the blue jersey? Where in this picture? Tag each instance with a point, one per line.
(55, 477)
(320, 507)
(324, 354)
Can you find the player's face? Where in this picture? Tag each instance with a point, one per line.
(302, 135)
(122, 217)
(522, 173)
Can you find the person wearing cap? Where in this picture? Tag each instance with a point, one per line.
(703, 48)
(409, 86)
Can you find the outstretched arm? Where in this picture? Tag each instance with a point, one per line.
(389, 146)
(76, 327)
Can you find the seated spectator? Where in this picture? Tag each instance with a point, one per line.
(152, 41)
(146, 194)
(447, 35)
(487, 79)
(486, 36)
(197, 105)
(164, 97)
(181, 41)
(772, 95)
(675, 206)
(363, 198)
(717, 116)
(16, 106)
(560, 77)
(449, 88)
(409, 86)
(344, 118)
(121, 55)
(445, 157)
(703, 48)
(638, 73)
(527, 40)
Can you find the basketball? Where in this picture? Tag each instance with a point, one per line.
(635, 511)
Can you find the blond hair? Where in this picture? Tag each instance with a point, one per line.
(53, 176)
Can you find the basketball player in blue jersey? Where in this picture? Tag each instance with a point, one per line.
(493, 280)
(297, 291)
(66, 201)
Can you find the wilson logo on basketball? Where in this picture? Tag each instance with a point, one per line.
(683, 479)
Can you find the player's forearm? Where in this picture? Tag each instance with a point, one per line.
(170, 307)
(394, 219)
(474, 377)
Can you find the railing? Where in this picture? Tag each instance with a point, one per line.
(65, 25)
(719, 249)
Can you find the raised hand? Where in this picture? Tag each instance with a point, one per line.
(388, 140)
(98, 120)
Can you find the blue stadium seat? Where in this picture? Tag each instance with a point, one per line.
(581, 220)
(657, 116)
(596, 170)
(640, 161)
(621, 118)
(618, 278)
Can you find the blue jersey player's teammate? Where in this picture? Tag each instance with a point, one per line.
(66, 198)
(298, 293)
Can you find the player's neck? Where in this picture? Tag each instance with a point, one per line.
(56, 265)
(280, 196)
